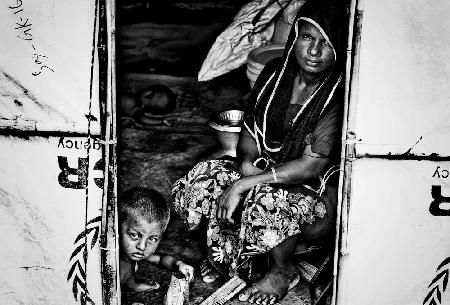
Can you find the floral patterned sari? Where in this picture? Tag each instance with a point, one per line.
(269, 214)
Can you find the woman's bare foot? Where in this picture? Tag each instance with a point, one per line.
(271, 288)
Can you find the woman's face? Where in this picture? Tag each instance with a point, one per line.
(313, 53)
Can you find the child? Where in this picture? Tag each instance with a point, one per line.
(143, 218)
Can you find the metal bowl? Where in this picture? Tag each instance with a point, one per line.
(229, 120)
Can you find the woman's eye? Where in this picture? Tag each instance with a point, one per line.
(153, 239)
(133, 235)
(306, 36)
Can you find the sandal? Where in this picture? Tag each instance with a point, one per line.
(209, 274)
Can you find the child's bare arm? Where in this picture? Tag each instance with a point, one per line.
(154, 259)
(165, 261)
(168, 262)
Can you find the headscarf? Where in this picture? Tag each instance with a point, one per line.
(271, 93)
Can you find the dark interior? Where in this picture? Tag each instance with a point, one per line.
(165, 42)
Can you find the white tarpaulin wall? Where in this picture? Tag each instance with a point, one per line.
(404, 93)
(44, 208)
(57, 206)
(395, 245)
(45, 65)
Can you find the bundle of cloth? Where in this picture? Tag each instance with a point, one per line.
(252, 27)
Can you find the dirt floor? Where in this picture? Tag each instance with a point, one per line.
(169, 51)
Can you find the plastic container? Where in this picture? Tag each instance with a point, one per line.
(258, 57)
(281, 31)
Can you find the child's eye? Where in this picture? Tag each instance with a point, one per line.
(133, 235)
(306, 36)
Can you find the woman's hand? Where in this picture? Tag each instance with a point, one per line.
(186, 269)
(228, 203)
(248, 169)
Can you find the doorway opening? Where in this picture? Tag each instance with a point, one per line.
(163, 43)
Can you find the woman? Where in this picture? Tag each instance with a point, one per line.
(279, 191)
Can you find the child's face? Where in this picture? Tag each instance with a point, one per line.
(140, 238)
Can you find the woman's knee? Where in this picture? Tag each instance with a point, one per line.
(200, 167)
(321, 227)
(210, 169)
